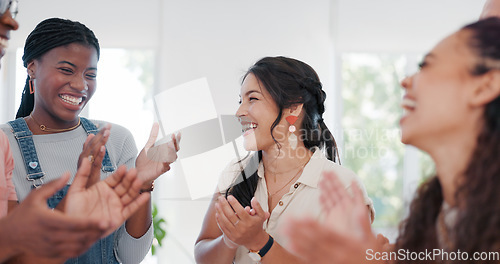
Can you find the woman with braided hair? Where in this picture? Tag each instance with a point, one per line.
(61, 59)
(281, 108)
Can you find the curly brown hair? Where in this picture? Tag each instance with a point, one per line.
(478, 222)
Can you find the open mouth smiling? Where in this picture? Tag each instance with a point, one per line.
(73, 100)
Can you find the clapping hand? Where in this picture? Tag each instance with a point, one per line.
(33, 228)
(344, 237)
(112, 200)
(342, 209)
(151, 165)
(94, 149)
(241, 226)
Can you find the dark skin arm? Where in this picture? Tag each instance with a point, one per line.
(106, 204)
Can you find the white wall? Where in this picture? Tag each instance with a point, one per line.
(220, 39)
(117, 23)
(400, 25)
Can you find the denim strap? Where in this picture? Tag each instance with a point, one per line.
(102, 252)
(24, 138)
(89, 127)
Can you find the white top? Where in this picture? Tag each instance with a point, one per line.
(301, 200)
(59, 152)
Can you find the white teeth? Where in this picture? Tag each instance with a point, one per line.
(4, 43)
(71, 99)
(408, 103)
(248, 126)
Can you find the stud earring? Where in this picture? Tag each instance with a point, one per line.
(292, 138)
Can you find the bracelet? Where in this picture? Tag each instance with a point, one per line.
(149, 189)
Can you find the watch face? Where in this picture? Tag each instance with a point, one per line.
(254, 256)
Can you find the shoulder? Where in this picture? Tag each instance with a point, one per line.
(117, 131)
(345, 174)
(4, 145)
(3, 138)
(318, 164)
(348, 177)
(6, 128)
(7, 133)
(114, 127)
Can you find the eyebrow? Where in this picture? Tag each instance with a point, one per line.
(429, 55)
(251, 91)
(73, 65)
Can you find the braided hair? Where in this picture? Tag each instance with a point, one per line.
(290, 82)
(47, 35)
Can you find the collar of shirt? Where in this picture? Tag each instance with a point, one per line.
(312, 171)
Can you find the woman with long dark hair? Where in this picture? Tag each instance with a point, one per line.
(281, 114)
(452, 107)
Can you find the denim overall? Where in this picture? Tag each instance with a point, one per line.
(103, 250)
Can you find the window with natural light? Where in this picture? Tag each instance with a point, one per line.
(391, 171)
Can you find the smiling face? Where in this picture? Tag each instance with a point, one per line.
(257, 113)
(7, 23)
(64, 80)
(436, 102)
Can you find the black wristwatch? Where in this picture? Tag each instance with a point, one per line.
(258, 255)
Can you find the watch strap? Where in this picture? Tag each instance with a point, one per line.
(263, 251)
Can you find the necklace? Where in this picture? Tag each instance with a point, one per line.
(48, 129)
(444, 231)
(286, 184)
(283, 172)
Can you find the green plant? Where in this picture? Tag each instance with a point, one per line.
(159, 230)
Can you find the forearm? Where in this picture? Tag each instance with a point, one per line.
(277, 254)
(138, 224)
(209, 251)
(7, 248)
(35, 259)
(130, 249)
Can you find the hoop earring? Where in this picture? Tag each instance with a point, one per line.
(292, 139)
(31, 86)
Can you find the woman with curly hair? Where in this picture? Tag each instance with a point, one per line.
(452, 110)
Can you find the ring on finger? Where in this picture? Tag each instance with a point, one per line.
(237, 221)
(91, 158)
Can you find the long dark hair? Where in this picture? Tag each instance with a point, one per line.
(290, 82)
(478, 223)
(48, 34)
